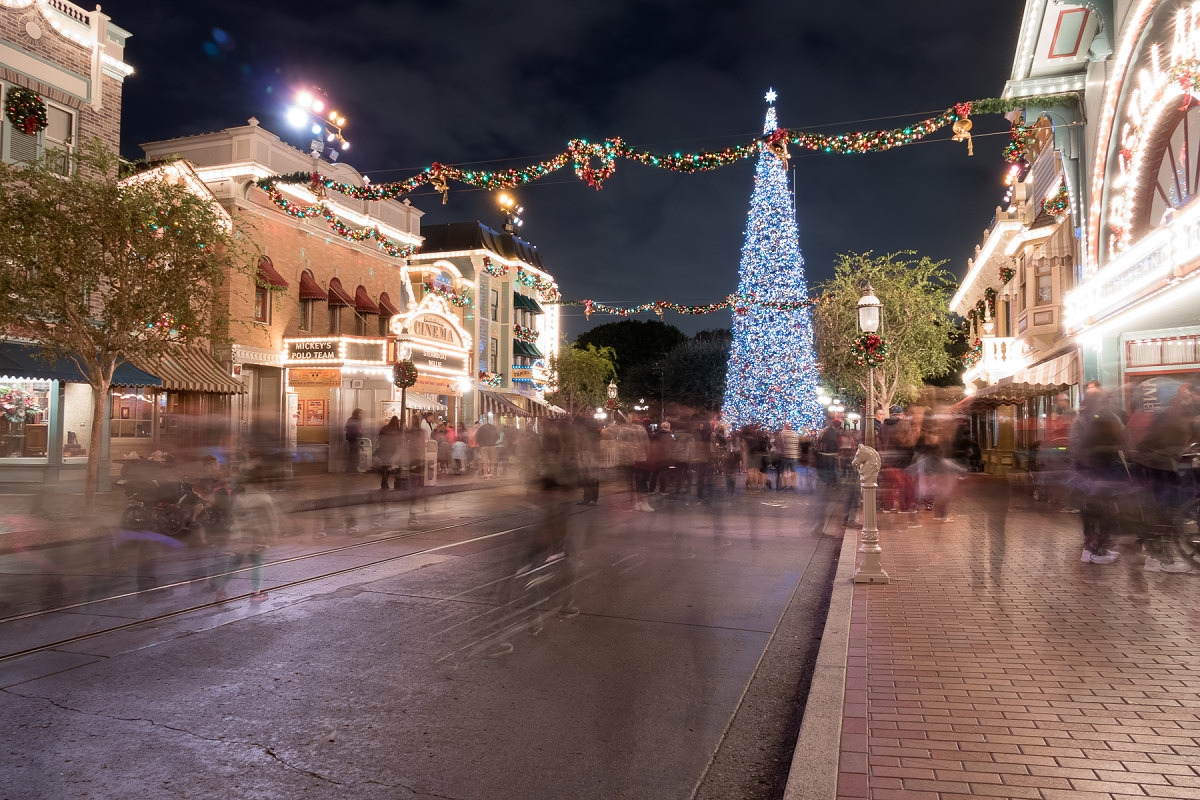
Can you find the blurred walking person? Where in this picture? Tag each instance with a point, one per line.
(387, 454)
(1096, 443)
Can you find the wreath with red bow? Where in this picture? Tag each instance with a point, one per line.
(869, 350)
(404, 374)
(25, 110)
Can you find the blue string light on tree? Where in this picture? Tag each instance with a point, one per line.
(771, 376)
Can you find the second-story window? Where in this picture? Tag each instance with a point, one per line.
(59, 138)
(494, 306)
(306, 315)
(1045, 285)
(495, 356)
(262, 304)
(360, 324)
(335, 319)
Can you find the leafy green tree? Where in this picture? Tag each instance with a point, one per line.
(99, 269)
(634, 342)
(694, 372)
(915, 294)
(581, 376)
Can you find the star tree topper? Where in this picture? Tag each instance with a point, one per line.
(770, 96)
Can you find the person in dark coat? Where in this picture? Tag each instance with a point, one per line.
(1097, 442)
(391, 438)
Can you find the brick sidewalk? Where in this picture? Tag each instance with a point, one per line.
(997, 664)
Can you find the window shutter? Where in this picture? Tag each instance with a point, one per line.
(22, 146)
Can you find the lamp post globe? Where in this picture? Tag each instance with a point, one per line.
(868, 311)
(612, 390)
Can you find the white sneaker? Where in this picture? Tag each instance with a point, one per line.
(1176, 567)
(1107, 558)
(1086, 557)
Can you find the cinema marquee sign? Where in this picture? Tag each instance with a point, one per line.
(431, 337)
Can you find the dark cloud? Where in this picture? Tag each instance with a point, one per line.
(502, 85)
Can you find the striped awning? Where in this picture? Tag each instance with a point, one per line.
(543, 409)
(385, 305)
(309, 288)
(268, 276)
(363, 303)
(338, 295)
(190, 368)
(1048, 377)
(525, 303)
(497, 404)
(422, 402)
(525, 349)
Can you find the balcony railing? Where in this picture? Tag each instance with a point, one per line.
(1001, 356)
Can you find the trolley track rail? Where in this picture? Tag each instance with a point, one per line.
(308, 579)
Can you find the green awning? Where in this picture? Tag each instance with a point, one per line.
(523, 303)
(22, 361)
(525, 349)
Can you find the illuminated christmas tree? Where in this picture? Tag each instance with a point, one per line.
(771, 377)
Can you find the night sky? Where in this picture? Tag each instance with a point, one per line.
(500, 85)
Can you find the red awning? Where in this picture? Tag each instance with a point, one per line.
(337, 295)
(267, 276)
(363, 303)
(309, 289)
(386, 307)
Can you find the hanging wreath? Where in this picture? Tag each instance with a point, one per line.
(404, 374)
(25, 110)
(869, 350)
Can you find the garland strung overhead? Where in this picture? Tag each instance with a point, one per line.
(739, 303)
(581, 154)
(321, 209)
(595, 162)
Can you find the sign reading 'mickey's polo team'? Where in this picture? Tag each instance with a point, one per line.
(312, 350)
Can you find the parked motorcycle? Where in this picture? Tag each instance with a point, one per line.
(165, 506)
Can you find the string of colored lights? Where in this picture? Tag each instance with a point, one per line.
(739, 303)
(321, 209)
(581, 153)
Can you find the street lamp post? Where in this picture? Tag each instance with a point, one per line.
(868, 322)
(870, 569)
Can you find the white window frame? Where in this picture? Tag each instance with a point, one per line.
(43, 143)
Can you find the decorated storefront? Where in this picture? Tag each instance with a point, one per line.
(46, 414)
(432, 338)
(1137, 311)
(327, 377)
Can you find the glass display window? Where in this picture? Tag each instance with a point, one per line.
(132, 414)
(24, 413)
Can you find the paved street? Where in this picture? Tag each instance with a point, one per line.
(996, 664)
(395, 659)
